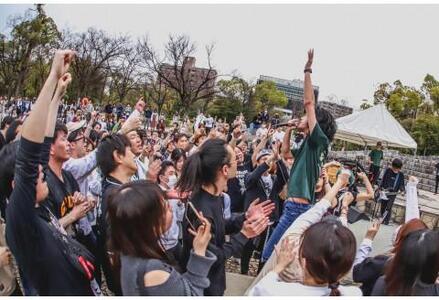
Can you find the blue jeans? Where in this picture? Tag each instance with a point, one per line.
(291, 212)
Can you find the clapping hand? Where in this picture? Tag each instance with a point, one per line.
(259, 210)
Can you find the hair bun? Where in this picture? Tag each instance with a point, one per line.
(334, 285)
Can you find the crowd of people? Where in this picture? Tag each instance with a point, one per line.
(111, 196)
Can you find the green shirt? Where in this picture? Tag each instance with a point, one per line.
(307, 163)
(376, 156)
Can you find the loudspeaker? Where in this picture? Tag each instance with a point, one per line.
(355, 215)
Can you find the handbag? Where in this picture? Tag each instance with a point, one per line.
(8, 281)
(77, 255)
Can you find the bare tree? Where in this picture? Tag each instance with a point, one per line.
(95, 52)
(176, 69)
(124, 72)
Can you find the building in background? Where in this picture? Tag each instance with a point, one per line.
(196, 78)
(337, 110)
(293, 90)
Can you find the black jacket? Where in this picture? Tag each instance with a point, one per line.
(255, 187)
(40, 255)
(212, 208)
(368, 271)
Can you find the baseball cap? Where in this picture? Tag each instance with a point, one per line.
(262, 153)
(74, 126)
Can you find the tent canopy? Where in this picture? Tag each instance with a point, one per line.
(373, 125)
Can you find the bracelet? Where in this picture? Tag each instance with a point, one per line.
(307, 70)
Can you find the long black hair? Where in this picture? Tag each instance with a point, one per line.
(136, 213)
(416, 261)
(11, 132)
(201, 167)
(326, 122)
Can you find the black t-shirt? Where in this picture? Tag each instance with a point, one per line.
(236, 187)
(38, 253)
(60, 199)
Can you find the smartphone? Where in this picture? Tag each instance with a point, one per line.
(193, 216)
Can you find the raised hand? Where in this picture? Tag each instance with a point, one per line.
(343, 178)
(373, 230)
(140, 105)
(153, 170)
(275, 149)
(61, 62)
(259, 210)
(347, 199)
(308, 64)
(286, 252)
(131, 124)
(63, 83)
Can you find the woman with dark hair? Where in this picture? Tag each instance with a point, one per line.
(138, 216)
(6, 122)
(319, 253)
(414, 269)
(13, 130)
(178, 157)
(205, 174)
(366, 269)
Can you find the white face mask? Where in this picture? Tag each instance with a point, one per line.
(172, 181)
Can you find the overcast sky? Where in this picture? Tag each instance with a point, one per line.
(356, 46)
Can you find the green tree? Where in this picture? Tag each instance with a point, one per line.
(28, 34)
(268, 96)
(426, 133)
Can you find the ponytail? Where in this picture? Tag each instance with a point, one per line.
(191, 174)
(334, 289)
(201, 168)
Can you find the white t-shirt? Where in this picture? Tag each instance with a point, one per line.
(208, 122)
(271, 285)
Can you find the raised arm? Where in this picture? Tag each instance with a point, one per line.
(286, 142)
(260, 146)
(61, 88)
(368, 195)
(308, 97)
(35, 126)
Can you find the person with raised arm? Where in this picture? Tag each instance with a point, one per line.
(319, 128)
(53, 262)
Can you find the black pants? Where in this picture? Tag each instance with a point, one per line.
(375, 171)
(252, 245)
(387, 206)
(437, 183)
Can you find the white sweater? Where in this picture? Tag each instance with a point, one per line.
(271, 285)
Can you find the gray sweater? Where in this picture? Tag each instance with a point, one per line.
(191, 283)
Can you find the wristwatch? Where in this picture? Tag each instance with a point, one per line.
(307, 70)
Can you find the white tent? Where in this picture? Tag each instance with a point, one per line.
(372, 125)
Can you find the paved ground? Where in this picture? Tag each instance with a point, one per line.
(237, 283)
